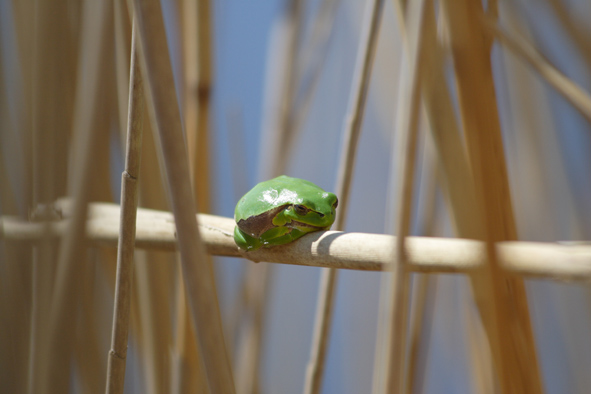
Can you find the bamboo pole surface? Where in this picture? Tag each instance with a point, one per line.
(197, 271)
(125, 249)
(351, 131)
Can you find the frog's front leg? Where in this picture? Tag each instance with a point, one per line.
(280, 236)
(245, 241)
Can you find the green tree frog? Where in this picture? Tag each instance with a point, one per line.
(281, 210)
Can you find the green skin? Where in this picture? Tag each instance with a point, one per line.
(281, 210)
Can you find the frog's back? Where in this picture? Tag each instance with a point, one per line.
(274, 193)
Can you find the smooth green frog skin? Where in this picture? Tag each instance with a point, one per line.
(281, 210)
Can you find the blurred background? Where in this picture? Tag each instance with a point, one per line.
(271, 83)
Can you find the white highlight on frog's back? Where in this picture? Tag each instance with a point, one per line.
(274, 198)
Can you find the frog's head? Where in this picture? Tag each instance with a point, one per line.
(309, 213)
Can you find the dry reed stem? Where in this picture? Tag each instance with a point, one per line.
(88, 352)
(198, 72)
(580, 99)
(197, 271)
(577, 32)
(125, 249)
(352, 129)
(257, 280)
(252, 299)
(48, 64)
(424, 286)
(333, 249)
(122, 35)
(420, 339)
(187, 374)
(196, 40)
(16, 288)
(286, 134)
(248, 355)
(55, 343)
(480, 357)
(154, 275)
(311, 65)
(507, 317)
(407, 129)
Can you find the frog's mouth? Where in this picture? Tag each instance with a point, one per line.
(302, 225)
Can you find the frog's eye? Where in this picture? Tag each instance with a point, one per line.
(300, 209)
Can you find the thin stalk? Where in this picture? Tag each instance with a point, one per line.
(125, 250)
(197, 39)
(352, 129)
(311, 66)
(419, 341)
(154, 277)
(198, 72)
(197, 270)
(425, 285)
(572, 92)
(286, 107)
(407, 126)
(122, 49)
(256, 282)
(577, 31)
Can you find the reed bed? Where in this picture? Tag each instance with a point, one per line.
(485, 221)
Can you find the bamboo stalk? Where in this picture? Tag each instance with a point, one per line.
(56, 341)
(352, 129)
(572, 92)
(197, 271)
(505, 314)
(125, 248)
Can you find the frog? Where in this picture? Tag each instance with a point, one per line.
(281, 210)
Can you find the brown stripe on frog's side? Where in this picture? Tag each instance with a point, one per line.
(255, 226)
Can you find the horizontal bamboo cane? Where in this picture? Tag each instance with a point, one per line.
(564, 261)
